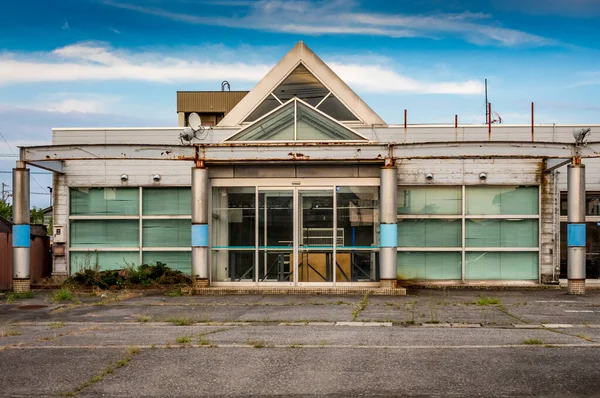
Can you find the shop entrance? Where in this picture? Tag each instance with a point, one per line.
(309, 235)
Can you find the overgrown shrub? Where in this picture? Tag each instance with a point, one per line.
(143, 275)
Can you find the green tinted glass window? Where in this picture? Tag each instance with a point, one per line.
(167, 233)
(430, 200)
(502, 200)
(429, 265)
(104, 201)
(501, 265)
(104, 233)
(502, 232)
(429, 233)
(181, 261)
(102, 260)
(166, 201)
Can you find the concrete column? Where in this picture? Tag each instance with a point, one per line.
(200, 226)
(181, 119)
(576, 239)
(388, 217)
(21, 228)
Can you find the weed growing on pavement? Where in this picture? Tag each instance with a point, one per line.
(184, 321)
(184, 340)
(64, 294)
(9, 332)
(585, 337)
(12, 296)
(56, 325)
(533, 342)
(203, 342)
(360, 307)
(257, 343)
(131, 352)
(483, 300)
(143, 318)
(295, 345)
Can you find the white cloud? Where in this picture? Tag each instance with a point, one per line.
(92, 61)
(343, 17)
(65, 26)
(75, 105)
(375, 78)
(96, 61)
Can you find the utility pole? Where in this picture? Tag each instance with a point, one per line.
(3, 185)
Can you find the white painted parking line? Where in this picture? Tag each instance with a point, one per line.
(555, 301)
(579, 311)
(557, 325)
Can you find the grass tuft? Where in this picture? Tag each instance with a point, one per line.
(257, 344)
(184, 340)
(56, 325)
(483, 301)
(64, 294)
(533, 342)
(184, 321)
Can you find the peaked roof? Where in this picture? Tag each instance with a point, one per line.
(298, 55)
(296, 120)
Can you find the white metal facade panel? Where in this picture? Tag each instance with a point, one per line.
(467, 171)
(107, 173)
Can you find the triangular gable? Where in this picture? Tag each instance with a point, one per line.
(293, 121)
(312, 79)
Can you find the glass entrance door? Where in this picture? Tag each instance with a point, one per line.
(275, 235)
(315, 236)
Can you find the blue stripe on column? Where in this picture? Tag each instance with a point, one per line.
(388, 235)
(200, 235)
(576, 235)
(21, 235)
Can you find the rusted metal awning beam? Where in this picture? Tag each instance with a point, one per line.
(300, 152)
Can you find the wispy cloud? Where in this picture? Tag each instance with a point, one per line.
(65, 25)
(97, 61)
(344, 17)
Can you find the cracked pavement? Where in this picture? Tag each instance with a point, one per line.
(452, 342)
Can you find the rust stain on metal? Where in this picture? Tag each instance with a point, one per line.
(298, 156)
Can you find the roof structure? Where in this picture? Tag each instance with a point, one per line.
(302, 74)
(296, 120)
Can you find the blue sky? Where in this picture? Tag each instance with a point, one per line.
(91, 63)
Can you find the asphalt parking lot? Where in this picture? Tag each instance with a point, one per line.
(428, 343)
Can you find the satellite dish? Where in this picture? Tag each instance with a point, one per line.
(194, 121)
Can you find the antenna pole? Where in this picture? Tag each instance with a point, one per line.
(487, 119)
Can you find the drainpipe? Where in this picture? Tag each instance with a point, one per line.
(21, 228)
(387, 224)
(200, 225)
(576, 239)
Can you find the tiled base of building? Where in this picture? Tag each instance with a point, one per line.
(576, 286)
(342, 291)
(201, 284)
(21, 285)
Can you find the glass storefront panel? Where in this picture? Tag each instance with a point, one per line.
(167, 201)
(167, 233)
(501, 265)
(490, 200)
(181, 261)
(358, 224)
(488, 232)
(592, 257)
(429, 233)
(429, 265)
(430, 200)
(275, 235)
(316, 237)
(102, 261)
(104, 201)
(104, 233)
(233, 265)
(592, 204)
(233, 233)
